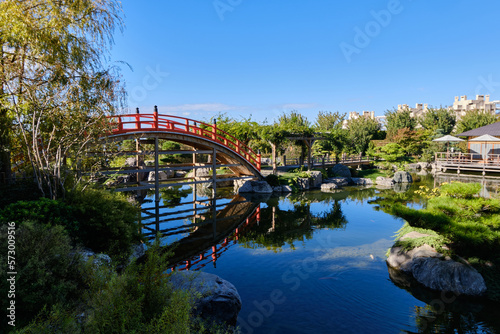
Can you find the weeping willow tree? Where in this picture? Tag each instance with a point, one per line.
(57, 85)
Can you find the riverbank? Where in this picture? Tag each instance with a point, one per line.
(465, 228)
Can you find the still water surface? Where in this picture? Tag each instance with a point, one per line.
(310, 263)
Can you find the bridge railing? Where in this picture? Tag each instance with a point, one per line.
(158, 122)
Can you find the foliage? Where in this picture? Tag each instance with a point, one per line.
(396, 120)
(98, 219)
(47, 269)
(460, 190)
(441, 118)
(329, 125)
(107, 221)
(391, 152)
(138, 300)
(360, 131)
(43, 211)
(22, 190)
(245, 130)
(474, 119)
(413, 142)
(55, 83)
(273, 180)
(433, 239)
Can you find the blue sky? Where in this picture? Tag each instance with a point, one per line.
(262, 57)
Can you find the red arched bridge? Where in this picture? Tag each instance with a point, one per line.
(202, 137)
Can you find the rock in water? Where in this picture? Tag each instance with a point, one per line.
(255, 187)
(216, 299)
(448, 275)
(316, 179)
(384, 181)
(402, 177)
(434, 271)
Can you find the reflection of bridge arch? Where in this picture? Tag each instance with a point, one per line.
(211, 232)
(240, 158)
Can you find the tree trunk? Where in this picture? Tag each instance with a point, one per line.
(5, 163)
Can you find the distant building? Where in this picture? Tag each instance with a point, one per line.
(482, 102)
(460, 106)
(368, 114)
(419, 110)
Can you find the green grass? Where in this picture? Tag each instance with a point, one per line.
(371, 173)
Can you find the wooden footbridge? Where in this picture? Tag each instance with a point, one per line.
(223, 149)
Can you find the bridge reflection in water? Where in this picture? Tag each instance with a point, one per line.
(203, 232)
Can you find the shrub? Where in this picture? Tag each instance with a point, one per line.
(273, 180)
(42, 211)
(460, 190)
(108, 222)
(47, 269)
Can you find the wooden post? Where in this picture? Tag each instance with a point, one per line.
(157, 176)
(137, 119)
(155, 117)
(214, 130)
(214, 173)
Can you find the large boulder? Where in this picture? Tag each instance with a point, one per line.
(341, 170)
(261, 187)
(384, 181)
(329, 187)
(361, 181)
(162, 175)
(215, 298)
(316, 179)
(402, 177)
(303, 183)
(339, 181)
(435, 271)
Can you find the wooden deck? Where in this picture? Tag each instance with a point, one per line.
(468, 162)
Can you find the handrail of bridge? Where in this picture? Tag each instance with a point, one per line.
(159, 122)
(460, 158)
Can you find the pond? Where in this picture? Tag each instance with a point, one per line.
(309, 263)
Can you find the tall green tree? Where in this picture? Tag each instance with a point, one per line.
(474, 119)
(441, 118)
(245, 130)
(399, 119)
(360, 131)
(329, 125)
(55, 80)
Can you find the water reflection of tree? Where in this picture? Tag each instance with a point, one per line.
(278, 227)
(172, 196)
(431, 319)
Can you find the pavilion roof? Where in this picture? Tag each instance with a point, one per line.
(492, 130)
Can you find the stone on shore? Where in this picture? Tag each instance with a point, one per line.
(384, 181)
(361, 181)
(215, 298)
(402, 177)
(434, 271)
(341, 171)
(316, 179)
(327, 187)
(261, 187)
